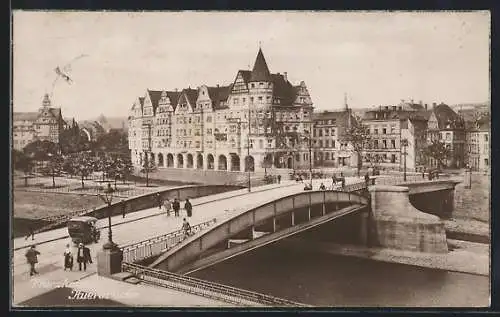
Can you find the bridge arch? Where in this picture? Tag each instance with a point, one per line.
(180, 160)
(222, 163)
(170, 160)
(276, 219)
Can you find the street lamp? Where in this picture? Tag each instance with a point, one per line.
(404, 143)
(309, 139)
(108, 198)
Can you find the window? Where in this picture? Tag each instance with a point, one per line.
(327, 132)
(253, 86)
(333, 143)
(375, 131)
(235, 101)
(320, 143)
(251, 99)
(384, 131)
(393, 129)
(327, 156)
(375, 144)
(393, 158)
(485, 138)
(209, 118)
(448, 136)
(320, 132)
(393, 144)
(385, 144)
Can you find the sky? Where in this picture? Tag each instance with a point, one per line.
(376, 58)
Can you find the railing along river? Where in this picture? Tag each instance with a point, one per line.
(148, 248)
(204, 288)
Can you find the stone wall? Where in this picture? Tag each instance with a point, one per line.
(396, 224)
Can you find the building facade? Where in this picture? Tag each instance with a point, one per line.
(478, 144)
(260, 120)
(44, 125)
(329, 148)
(446, 126)
(397, 136)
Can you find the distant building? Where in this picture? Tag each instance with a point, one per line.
(391, 127)
(46, 124)
(329, 149)
(446, 126)
(478, 143)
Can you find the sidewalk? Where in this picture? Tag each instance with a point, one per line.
(142, 295)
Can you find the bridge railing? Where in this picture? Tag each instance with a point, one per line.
(154, 246)
(399, 179)
(204, 288)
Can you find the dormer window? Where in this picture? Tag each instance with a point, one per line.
(253, 85)
(261, 84)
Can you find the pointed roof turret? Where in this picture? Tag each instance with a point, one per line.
(46, 101)
(260, 70)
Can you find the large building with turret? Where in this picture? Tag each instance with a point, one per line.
(45, 125)
(259, 120)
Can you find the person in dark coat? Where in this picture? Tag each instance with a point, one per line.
(367, 179)
(342, 178)
(188, 207)
(279, 179)
(68, 258)
(176, 206)
(83, 256)
(31, 233)
(186, 227)
(32, 258)
(124, 208)
(159, 200)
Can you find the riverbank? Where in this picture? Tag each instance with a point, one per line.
(463, 256)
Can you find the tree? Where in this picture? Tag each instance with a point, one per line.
(358, 136)
(21, 161)
(438, 151)
(148, 165)
(40, 150)
(55, 166)
(83, 165)
(127, 168)
(267, 162)
(114, 141)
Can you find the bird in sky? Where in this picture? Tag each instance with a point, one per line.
(64, 71)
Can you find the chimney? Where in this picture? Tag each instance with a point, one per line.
(217, 85)
(411, 101)
(285, 74)
(433, 105)
(425, 106)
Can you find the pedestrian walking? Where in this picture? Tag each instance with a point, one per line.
(124, 208)
(176, 205)
(159, 200)
(32, 258)
(168, 206)
(31, 233)
(186, 227)
(83, 257)
(188, 207)
(342, 178)
(68, 258)
(367, 179)
(334, 181)
(423, 173)
(279, 179)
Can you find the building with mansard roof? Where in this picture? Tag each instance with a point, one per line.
(45, 124)
(257, 121)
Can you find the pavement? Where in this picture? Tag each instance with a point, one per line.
(133, 228)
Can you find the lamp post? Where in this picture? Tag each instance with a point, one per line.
(247, 160)
(51, 162)
(309, 140)
(404, 143)
(108, 198)
(146, 157)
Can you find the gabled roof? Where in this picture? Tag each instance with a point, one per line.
(192, 95)
(174, 98)
(24, 116)
(218, 95)
(260, 71)
(246, 74)
(154, 96)
(447, 118)
(283, 90)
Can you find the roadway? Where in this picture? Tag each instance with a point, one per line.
(135, 227)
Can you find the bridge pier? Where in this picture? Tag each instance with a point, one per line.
(397, 224)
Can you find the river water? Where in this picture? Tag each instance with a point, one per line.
(337, 281)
